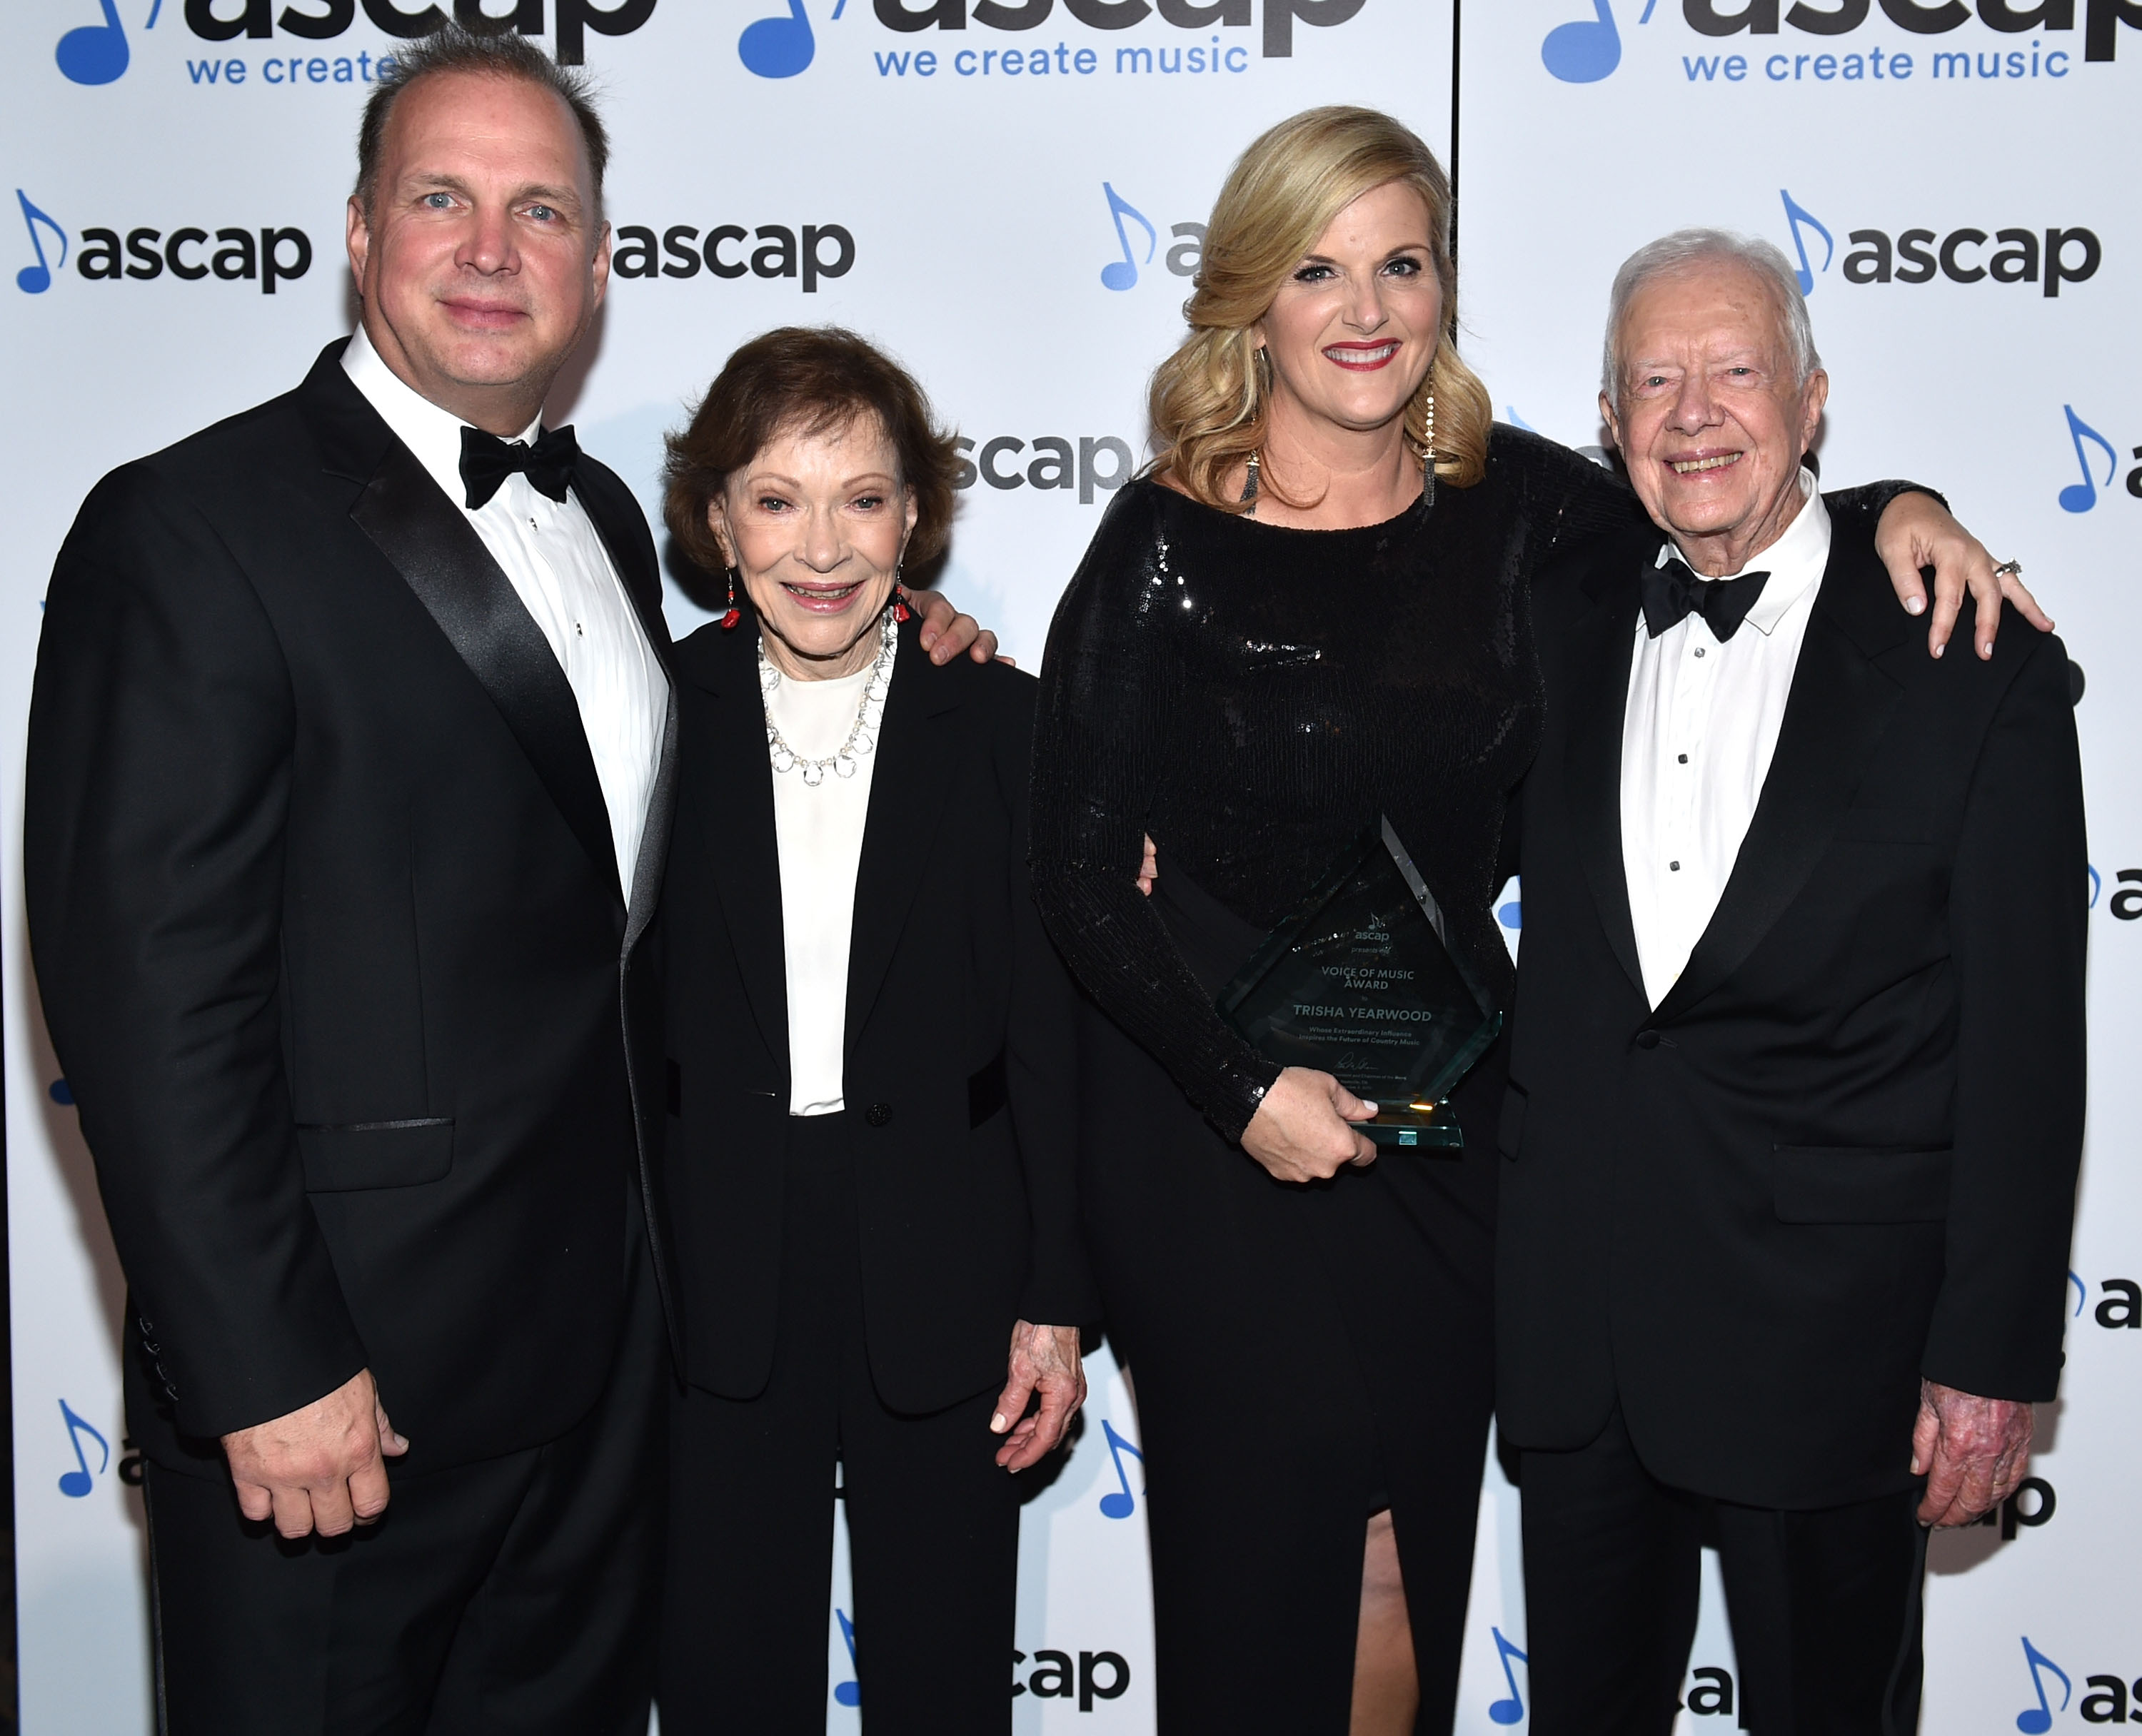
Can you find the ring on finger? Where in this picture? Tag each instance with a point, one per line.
(2009, 570)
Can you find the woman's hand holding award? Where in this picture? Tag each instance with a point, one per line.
(1360, 984)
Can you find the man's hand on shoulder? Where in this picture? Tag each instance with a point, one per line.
(947, 633)
(320, 1469)
(1972, 1452)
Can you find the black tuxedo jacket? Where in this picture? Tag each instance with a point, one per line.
(961, 1073)
(326, 918)
(1842, 1152)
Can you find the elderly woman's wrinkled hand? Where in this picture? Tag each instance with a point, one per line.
(1044, 1362)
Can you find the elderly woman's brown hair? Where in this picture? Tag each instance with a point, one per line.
(1211, 399)
(806, 380)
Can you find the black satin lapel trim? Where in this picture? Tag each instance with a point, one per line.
(466, 593)
(1835, 715)
(632, 558)
(741, 842)
(650, 870)
(1597, 658)
(915, 753)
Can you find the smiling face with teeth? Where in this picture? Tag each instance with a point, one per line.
(1352, 331)
(1710, 416)
(815, 526)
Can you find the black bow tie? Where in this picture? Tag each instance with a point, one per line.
(1671, 591)
(488, 460)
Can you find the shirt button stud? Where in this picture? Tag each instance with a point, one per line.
(1681, 758)
(878, 1114)
(1699, 650)
(1674, 867)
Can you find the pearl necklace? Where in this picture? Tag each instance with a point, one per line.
(862, 738)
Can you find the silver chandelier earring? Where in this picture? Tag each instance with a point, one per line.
(1428, 457)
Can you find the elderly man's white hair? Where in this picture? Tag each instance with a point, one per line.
(1684, 249)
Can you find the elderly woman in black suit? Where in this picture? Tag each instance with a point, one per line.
(870, 1076)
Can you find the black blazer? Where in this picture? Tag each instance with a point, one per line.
(1842, 1152)
(326, 917)
(961, 1069)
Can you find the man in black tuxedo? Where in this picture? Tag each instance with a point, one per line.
(1796, 1089)
(350, 757)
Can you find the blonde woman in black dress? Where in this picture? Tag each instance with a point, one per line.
(1315, 610)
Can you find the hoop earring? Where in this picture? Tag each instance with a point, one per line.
(735, 615)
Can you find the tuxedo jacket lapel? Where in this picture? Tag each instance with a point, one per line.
(633, 556)
(1835, 714)
(438, 553)
(908, 787)
(1597, 657)
(424, 535)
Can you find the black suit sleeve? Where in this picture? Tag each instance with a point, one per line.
(2018, 922)
(161, 742)
(1041, 1063)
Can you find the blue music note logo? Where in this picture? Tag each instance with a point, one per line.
(36, 279)
(1507, 1711)
(1797, 216)
(1119, 1504)
(78, 1483)
(1585, 51)
(94, 54)
(2081, 496)
(2036, 1721)
(778, 47)
(849, 1693)
(1122, 273)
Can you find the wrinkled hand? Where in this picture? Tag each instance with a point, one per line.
(1917, 532)
(1045, 1359)
(1300, 1133)
(1149, 869)
(322, 1468)
(1972, 1452)
(947, 633)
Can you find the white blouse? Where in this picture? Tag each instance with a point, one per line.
(819, 833)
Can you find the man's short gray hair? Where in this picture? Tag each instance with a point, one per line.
(1685, 248)
(497, 50)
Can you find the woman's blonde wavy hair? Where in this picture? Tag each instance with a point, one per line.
(1211, 400)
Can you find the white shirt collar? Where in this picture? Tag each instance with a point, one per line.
(434, 435)
(1796, 561)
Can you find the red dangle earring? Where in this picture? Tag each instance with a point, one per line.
(900, 609)
(735, 615)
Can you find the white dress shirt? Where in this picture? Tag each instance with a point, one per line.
(818, 831)
(554, 559)
(1700, 727)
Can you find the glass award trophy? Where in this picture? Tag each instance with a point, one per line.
(1360, 983)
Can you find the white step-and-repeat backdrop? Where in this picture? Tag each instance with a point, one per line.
(1011, 196)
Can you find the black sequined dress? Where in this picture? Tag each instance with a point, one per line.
(1252, 696)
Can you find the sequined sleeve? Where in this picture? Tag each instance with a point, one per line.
(1110, 685)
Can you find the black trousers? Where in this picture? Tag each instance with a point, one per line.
(1825, 1605)
(515, 1596)
(933, 1523)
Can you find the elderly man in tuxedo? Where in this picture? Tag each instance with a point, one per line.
(1796, 1081)
(350, 757)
